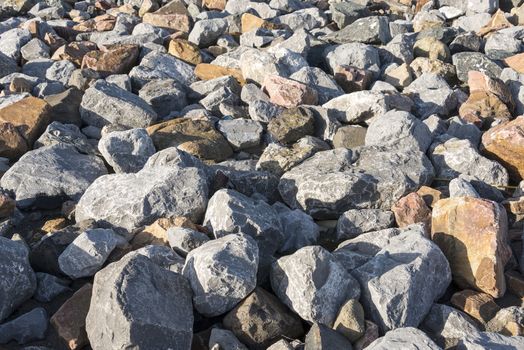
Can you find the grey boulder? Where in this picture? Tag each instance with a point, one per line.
(407, 338)
(29, 327)
(489, 340)
(183, 240)
(49, 287)
(357, 221)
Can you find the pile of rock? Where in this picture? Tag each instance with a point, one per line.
(246, 174)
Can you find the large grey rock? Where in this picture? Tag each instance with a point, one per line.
(256, 65)
(183, 240)
(353, 54)
(60, 71)
(137, 304)
(322, 337)
(132, 200)
(49, 175)
(229, 211)
(320, 81)
(407, 338)
(222, 272)
(58, 133)
(357, 221)
(34, 49)
(29, 327)
(447, 325)
(489, 340)
(164, 95)
(400, 284)
(241, 133)
(367, 30)
(49, 287)
(12, 42)
(466, 61)
(308, 19)
(18, 282)
(400, 130)
(432, 95)
(332, 182)
(225, 340)
(104, 103)
(162, 256)
(206, 32)
(88, 252)
(313, 284)
(7, 65)
(126, 151)
(454, 157)
(300, 230)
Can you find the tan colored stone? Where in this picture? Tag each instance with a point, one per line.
(516, 62)
(412, 209)
(505, 143)
(484, 106)
(196, 137)
(518, 13)
(349, 136)
(352, 79)
(478, 305)
(29, 116)
(250, 22)
(473, 235)
(421, 65)
(148, 6)
(498, 21)
(173, 15)
(12, 143)
(7, 206)
(69, 320)
(100, 23)
(430, 195)
(514, 205)
(185, 50)
(431, 48)
(206, 71)
(55, 225)
(480, 82)
(508, 321)
(399, 77)
(289, 93)
(54, 41)
(350, 320)
(155, 234)
(218, 5)
(74, 51)
(118, 59)
(371, 334)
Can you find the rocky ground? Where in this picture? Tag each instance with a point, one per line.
(241, 174)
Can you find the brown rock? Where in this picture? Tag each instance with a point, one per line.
(54, 41)
(498, 21)
(196, 137)
(261, 319)
(484, 106)
(218, 5)
(206, 71)
(431, 48)
(349, 136)
(185, 50)
(515, 283)
(371, 334)
(100, 23)
(472, 234)
(478, 305)
(352, 79)
(7, 206)
(505, 143)
(421, 65)
(412, 209)
(516, 62)
(74, 51)
(69, 320)
(55, 225)
(430, 195)
(350, 320)
(29, 116)
(12, 143)
(19, 84)
(399, 77)
(155, 234)
(518, 12)
(289, 93)
(250, 22)
(291, 125)
(118, 59)
(478, 81)
(173, 15)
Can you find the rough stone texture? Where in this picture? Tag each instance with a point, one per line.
(291, 125)
(261, 318)
(488, 340)
(407, 338)
(49, 286)
(412, 209)
(473, 234)
(165, 96)
(299, 229)
(478, 305)
(18, 281)
(241, 133)
(183, 240)
(350, 320)
(222, 272)
(431, 95)
(288, 93)
(323, 337)
(313, 284)
(120, 316)
(357, 221)
(133, 200)
(508, 321)
(400, 271)
(48, 176)
(29, 327)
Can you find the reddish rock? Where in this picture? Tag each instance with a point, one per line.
(251, 22)
(74, 51)
(478, 81)
(473, 234)
(505, 143)
(118, 59)
(100, 23)
(412, 209)
(289, 93)
(54, 41)
(69, 320)
(173, 15)
(352, 79)
(480, 306)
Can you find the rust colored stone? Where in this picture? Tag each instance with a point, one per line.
(29, 116)
(412, 209)
(352, 79)
(206, 71)
(430, 195)
(251, 22)
(118, 59)
(173, 15)
(516, 62)
(74, 51)
(289, 93)
(480, 306)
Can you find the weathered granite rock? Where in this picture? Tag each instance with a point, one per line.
(165, 96)
(120, 316)
(432, 95)
(241, 133)
(29, 327)
(183, 240)
(488, 340)
(206, 32)
(357, 221)
(313, 284)
(222, 272)
(291, 125)
(406, 338)
(353, 54)
(299, 228)
(323, 337)
(472, 233)
(474, 61)
(18, 282)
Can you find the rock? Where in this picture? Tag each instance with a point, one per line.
(118, 59)
(185, 50)
(173, 15)
(133, 200)
(291, 125)
(350, 320)
(352, 79)
(12, 42)
(299, 228)
(154, 234)
(58, 133)
(322, 337)
(88, 252)
(432, 95)
(459, 187)
(472, 233)
(412, 209)
(120, 316)
(60, 71)
(515, 62)
(205, 32)
(104, 103)
(196, 137)
(7, 206)
(241, 133)
(261, 318)
(404, 338)
(502, 143)
(165, 96)
(447, 325)
(29, 327)
(371, 334)
(357, 55)
(18, 282)
(487, 340)
(478, 305)
(49, 175)
(320, 81)
(74, 51)
(357, 221)
(206, 71)
(126, 151)
(34, 49)
(13, 144)
(367, 30)
(398, 76)
(216, 286)
(474, 61)
(224, 339)
(403, 279)
(398, 130)
(288, 93)
(183, 240)
(432, 48)
(313, 284)
(64, 106)
(49, 287)
(245, 215)
(508, 321)
(349, 136)
(454, 157)
(345, 13)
